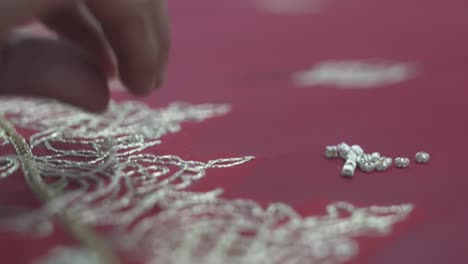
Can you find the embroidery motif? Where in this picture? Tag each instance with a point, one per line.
(108, 173)
(64, 255)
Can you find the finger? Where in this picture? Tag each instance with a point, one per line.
(21, 10)
(129, 29)
(160, 18)
(76, 24)
(53, 69)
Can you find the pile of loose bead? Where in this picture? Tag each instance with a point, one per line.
(354, 156)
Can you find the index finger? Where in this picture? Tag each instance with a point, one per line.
(129, 27)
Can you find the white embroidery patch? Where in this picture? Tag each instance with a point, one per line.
(355, 74)
(111, 174)
(289, 6)
(65, 255)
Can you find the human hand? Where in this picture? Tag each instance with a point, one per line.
(97, 39)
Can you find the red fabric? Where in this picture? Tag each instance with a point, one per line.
(230, 52)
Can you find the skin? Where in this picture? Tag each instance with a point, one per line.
(97, 40)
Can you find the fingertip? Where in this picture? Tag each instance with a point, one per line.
(141, 79)
(97, 109)
(160, 81)
(138, 87)
(98, 104)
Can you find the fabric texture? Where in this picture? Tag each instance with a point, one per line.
(387, 75)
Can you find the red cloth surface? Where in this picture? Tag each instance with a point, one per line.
(228, 51)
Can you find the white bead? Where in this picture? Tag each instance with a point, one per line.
(375, 157)
(348, 169)
(366, 164)
(351, 156)
(357, 149)
(401, 162)
(331, 152)
(362, 158)
(344, 149)
(383, 164)
(422, 157)
(367, 167)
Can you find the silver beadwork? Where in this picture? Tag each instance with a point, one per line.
(402, 162)
(331, 152)
(422, 157)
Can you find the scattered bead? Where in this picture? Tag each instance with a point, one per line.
(383, 164)
(348, 169)
(361, 158)
(355, 156)
(367, 166)
(364, 158)
(365, 163)
(422, 157)
(357, 149)
(331, 152)
(401, 162)
(375, 157)
(351, 156)
(343, 150)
